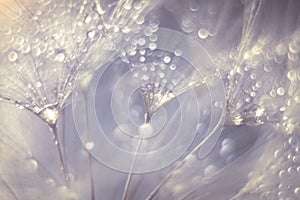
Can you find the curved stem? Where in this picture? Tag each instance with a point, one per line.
(129, 177)
(59, 149)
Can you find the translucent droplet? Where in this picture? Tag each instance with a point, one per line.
(280, 91)
(50, 115)
(137, 6)
(297, 191)
(89, 145)
(152, 46)
(19, 40)
(32, 164)
(91, 34)
(127, 5)
(167, 59)
(88, 19)
(38, 84)
(258, 84)
(172, 67)
(210, 170)
(153, 38)
(178, 52)
(281, 174)
(267, 68)
(292, 75)
(142, 59)
(60, 57)
(140, 20)
(142, 41)
(272, 93)
(125, 29)
(253, 94)
(12, 56)
(203, 33)
(50, 182)
(253, 76)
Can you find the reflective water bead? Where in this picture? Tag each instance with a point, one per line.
(267, 68)
(89, 145)
(178, 52)
(258, 84)
(152, 46)
(12, 56)
(172, 67)
(280, 91)
(210, 170)
(137, 6)
(292, 75)
(202, 33)
(60, 57)
(91, 34)
(142, 59)
(167, 59)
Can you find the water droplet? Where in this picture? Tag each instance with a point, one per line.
(203, 33)
(253, 76)
(258, 84)
(267, 68)
(292, 75)
(152, 46)
(167, 59)
(50, 115)
(137, 6)
(88, 19)
(178, 52)
(281, 174)
(140, 20)
(50, 182)
(210, 170)
(280, 91)
(125, 29)
(172, 67)
(60, 57)
(91, 34)
(153, 38)
(273, 93)
(32, 164)
(297, 191)
(19, 40)
(142, 59)
(12, 56)
(127, 5)
(38, 84)
(142, 41)
(253, 94)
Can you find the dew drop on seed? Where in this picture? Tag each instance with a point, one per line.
(89, 145)
(152, 46)
(280, 91)
(202, 33)
(12, 56)
(178, 52)
(167, 59)
(60, 57)
(267, 68)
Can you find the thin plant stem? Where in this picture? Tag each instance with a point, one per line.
(59, 149)
(179, 164)
(129, 177)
